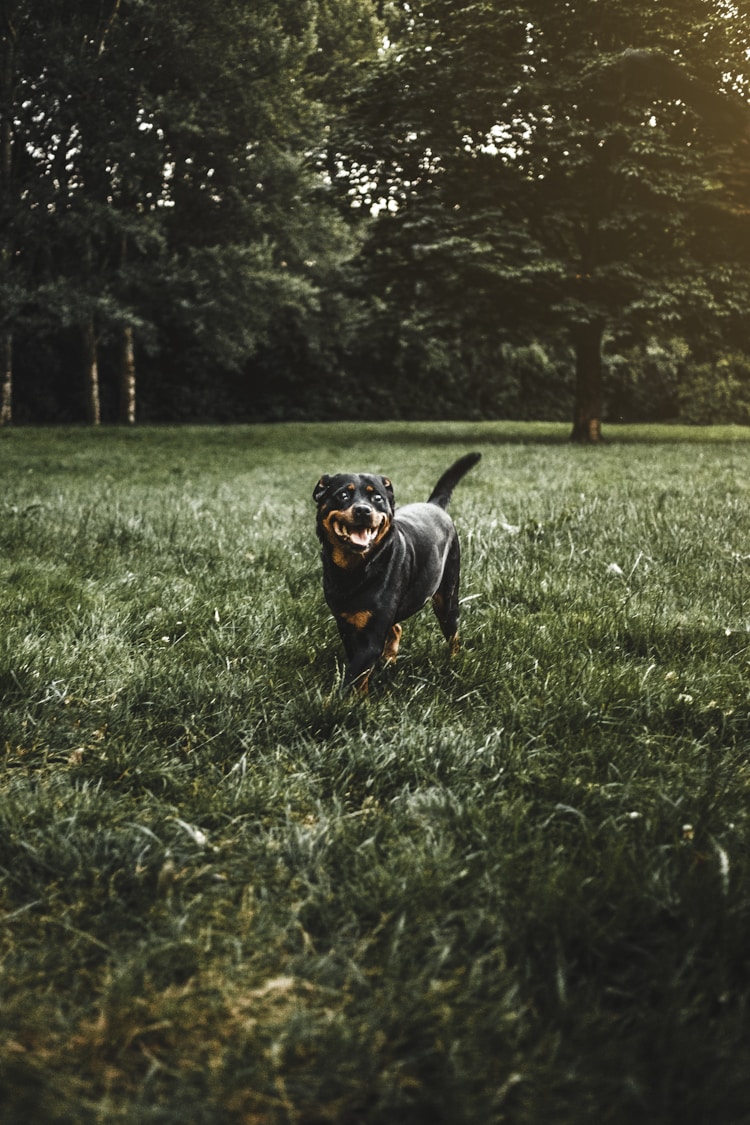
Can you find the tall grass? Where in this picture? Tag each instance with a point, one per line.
(508, 887)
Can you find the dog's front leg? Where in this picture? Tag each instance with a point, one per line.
(364, 645)
(359, 668)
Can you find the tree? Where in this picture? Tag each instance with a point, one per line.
(174, 186)
(526, 178)
(72, 123)
(13, 20)
(6, 168)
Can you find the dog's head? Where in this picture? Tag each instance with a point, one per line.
(355, 511)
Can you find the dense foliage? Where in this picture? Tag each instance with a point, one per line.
(157, 176)
(547, 182)
(479, 210)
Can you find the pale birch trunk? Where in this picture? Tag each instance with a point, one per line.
(6, 380)
(127, 378)
(91, 373)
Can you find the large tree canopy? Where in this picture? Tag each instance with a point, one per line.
(160, 170)
(268, 196)
(537, 171)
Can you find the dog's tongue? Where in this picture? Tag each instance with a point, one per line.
(361, 537)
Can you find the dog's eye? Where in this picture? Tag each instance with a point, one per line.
(343, 496)
(377, 498)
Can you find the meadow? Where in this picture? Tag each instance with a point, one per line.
(511, 886)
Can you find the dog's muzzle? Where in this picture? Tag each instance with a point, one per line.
(360, 537)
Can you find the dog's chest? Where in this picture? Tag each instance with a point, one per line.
(403, 574)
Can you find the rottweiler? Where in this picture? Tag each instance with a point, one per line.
(381, 565)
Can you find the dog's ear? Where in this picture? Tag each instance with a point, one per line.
(321, 488)
(388, 491)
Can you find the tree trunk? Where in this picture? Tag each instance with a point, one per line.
(6, 102)
(6, 379)
(91, 373)
(127, 378)
(587, 415)
(6, 171)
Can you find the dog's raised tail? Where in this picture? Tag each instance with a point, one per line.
(443, 490)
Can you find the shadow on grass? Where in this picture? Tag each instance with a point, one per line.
(503, 433)
(301, 435)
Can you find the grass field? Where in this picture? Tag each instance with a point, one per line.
(509, 887)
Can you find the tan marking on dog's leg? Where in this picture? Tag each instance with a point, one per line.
(454, 644)
(362, 682)
(390, 648)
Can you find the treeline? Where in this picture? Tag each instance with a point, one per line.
(345, 208)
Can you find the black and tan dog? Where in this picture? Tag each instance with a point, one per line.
(381, 565)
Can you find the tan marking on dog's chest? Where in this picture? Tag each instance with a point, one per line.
(359, 620)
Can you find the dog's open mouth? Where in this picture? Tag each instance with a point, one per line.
(360, 538)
